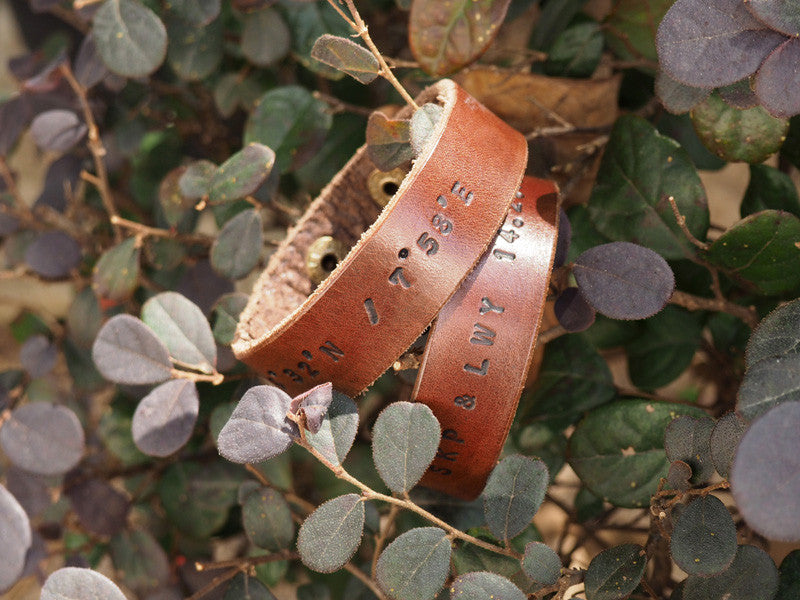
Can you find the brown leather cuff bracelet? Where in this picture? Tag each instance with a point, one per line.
(399, 275)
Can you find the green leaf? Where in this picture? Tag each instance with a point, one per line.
(513, 494)
(130, 38)
(197, 12)
(194, 52)
(330, 536)
(226, 316)
(618, 450)
(631, 28)
(84, 318)
(290, 121)
(242, 174)
(338, 431)
(423, 122)
(232, 92)
(195, 181)
(388, 141)
(115, 433)
(481, 585)
(267, 520)
(344, 138)
(688, 439)
(541, 563)
(761, 250)
(197, 497)
(314, 591)
(576, 51)
(404, 441)
(308, 21)
(573, 378)
(639, 171)
(789, 587)
(184, 329)
(237, 249)
(615, 573)
(468, 558)
(415, 565)
(543, 441)
(243, 587)
(116, 274)
(778, 334)
(265, 37)
(751, 576)
(769, 188)
(664, 349)
(724, 440)
(446, 37)
(704, 537)
(749, 135)
(346, 56)
(175, 207)
(141, 561)
(164, 254)
(127, 351)
(75, 582)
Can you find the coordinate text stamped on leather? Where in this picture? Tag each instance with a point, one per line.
(407, 267)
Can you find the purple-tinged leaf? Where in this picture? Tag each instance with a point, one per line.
(101, 508)
(165, 418)
(751, 576)
(688, 439)
(202, 285)
(47, 77)
(725, 437)
(30, 490)
(43, 438)
(624, 280)
(15, 531)
(679, 475)
(764, 475)
(89, 68)
(572, 310)
(60, 182)
(15, 115)
(314, 404)
(127, 351)
(53, 254)
(130, 38)
(677, 97)
(616, 572)
(713, 43)
(57, 130)
(778, 80)
(564, 239)
(346, 56)
(740, 94)
(38, 355)
(338, 429)
(258, 428)
(781, 15)
(388, 141)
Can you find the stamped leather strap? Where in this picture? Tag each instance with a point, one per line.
(401, 272)
(481, 345)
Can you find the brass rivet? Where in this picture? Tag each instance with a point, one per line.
(384, 184)
(323, 256)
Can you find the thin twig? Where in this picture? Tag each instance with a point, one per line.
(215, 378)
(682, 224)
(747, 314)
(548, 335)
(96, 147)
(162, 233)
(369, 494)
(245, 562)
(338, 106)
(360, 27)
(361, 576)
(214, 584)
(382, 535)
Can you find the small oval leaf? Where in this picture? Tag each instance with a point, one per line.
(43, 438)
(183, 328)
(615, 573)
(513, 494)
(688, 439)
(346, 56)
(130, 38)
(415, 565)
(57, 130)
(237, 249)
(541, 563)
(704, 537)
(480, 585)
(404, 442)
(165, 418)
(242, 174)
(624, 280)
(724, 440)
(338, 430)
(127, 351)
(38, 355)
(101, 508)
(332, 533)
(751, 576)
(73, 582)
(15, 530)
(53, 254)
(267, 520)
(265, 37)
(258, 428)
(388, 141)
(116, 274)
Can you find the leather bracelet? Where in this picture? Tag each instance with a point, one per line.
(407, 268)
(480, 348)
(399, 273)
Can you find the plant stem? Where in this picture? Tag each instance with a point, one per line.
(162, 233)
(360, 27)
(216, 378)
(692, 302)
(682, 224)
(95, 147)
(369, 494)
(361, 576)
